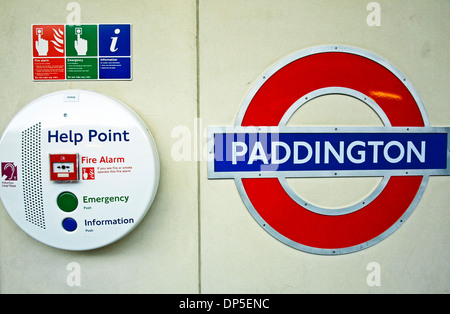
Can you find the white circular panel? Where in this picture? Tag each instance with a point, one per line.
(79, 170)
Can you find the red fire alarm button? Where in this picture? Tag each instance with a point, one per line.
(64, 167)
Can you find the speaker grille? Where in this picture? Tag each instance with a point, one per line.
(31, 174)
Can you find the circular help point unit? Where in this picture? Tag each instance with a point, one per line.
(80, 169)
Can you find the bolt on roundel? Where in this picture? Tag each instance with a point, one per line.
(260, 151)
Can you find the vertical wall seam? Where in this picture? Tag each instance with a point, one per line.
(197, 48)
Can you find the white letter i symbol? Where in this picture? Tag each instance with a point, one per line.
(113, 48)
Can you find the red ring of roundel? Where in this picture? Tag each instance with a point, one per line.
(273, 99)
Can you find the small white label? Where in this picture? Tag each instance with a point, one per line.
(72, 97)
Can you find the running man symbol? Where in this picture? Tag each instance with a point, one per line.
(81, 45)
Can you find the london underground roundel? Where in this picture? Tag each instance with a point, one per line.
(260, 151)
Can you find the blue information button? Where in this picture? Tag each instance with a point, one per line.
(69, 224)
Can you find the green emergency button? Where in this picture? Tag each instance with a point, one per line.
(67, 201)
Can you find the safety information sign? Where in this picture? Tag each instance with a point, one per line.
(81, 52)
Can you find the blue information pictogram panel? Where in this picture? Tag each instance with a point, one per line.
(114, 40)
(114, 51)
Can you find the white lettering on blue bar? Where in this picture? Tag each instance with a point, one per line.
(256, 150)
